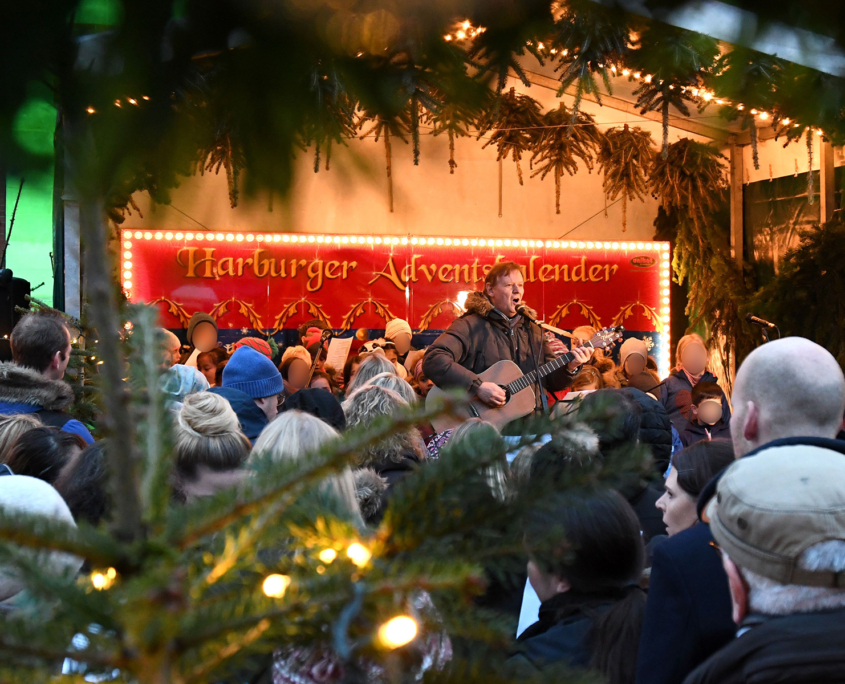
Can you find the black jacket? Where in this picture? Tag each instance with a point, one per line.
(688, 612)
(805, 648)
(655, 428)
(561, 633)
(482, 337)
(696, 432)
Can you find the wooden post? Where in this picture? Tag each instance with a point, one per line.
(827, 185)
(737, 236)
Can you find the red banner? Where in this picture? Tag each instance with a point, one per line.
(270, 282)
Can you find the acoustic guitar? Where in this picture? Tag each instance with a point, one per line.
(521, 398)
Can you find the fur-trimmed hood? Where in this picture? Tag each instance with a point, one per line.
(370, 488)
(21, 385)
(478, 303)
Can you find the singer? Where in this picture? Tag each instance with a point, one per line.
(492, 330)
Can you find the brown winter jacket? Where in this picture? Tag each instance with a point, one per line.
(480, 338)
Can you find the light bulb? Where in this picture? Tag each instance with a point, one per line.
(275, 585)
(327, 555)
(359, 554)
(397, 631)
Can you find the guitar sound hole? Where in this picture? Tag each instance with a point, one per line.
(507, 393)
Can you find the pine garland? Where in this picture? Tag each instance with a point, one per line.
(560, 145)
(625, 158)
(514, 125)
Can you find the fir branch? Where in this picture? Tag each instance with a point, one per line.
(298, 477)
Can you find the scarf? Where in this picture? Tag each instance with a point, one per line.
(694, 379)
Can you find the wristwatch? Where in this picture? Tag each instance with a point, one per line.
(572, 374)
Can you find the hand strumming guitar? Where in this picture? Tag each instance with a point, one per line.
(491, 394)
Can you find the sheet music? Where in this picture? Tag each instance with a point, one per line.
(338, 351)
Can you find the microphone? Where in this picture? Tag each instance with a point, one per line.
(523, 311)
(754, 320)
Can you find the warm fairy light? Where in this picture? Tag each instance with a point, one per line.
(159, 235)
(131, 101)
(101, 580)
(359, 554)
(649, 77)
(239, 238)
(626, 72)
(637, 74)
(91, 110)
(145, 97)
(327, 556)
(447, 37)
(764, 115)
(229, 237)
(275, 585)
(168, 236)
(117, 103)
(819, 131)
(397, 631)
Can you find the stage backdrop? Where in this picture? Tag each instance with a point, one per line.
(271, 282)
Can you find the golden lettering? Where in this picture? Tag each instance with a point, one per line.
(531, 277)
(594, 273)
(429, 275)
(315, 275)
(475, 277)
(465, 276)
(565, 269)
(225, 266)
(350, 265)
(389, 272)
(295, 264)
(257, 264)
(444, 273)
(609, 271)
(193, 262)
(281, 273)
(545, 270)
(330, 272)
(583, 271)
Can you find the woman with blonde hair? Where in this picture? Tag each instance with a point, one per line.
(293, 436)
(209, 447)
(372, 365)
(692, 357)
(388, 461)
(393, 382)
(12, 427)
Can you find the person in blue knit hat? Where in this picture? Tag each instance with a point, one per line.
(255, 375)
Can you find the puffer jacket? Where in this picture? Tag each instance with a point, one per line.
(481, 337)
(655, 428)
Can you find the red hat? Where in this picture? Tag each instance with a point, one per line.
(259, 345)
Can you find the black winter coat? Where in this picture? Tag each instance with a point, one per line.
(655, 428)
(480, 338)
(805, 648)
(696, 432)
(688, 612)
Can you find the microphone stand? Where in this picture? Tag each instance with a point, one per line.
(543, 401)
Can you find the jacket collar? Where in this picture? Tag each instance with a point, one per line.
(709, 491)
(478, 303)
(21, 385)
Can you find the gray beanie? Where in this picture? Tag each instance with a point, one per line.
(196, 319)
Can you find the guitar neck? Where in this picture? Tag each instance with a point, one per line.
(555, 364)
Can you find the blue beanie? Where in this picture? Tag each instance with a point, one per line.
(252, 373)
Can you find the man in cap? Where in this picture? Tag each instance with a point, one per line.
(788, 392)
(779, 522)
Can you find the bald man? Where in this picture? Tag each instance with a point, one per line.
(786, 389)
(170, 348)
(791, 391)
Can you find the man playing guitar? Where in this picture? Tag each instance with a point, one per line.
(492, 330)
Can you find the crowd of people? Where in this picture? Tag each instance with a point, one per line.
(726, 563)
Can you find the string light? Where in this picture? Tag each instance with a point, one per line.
(359, 554)
(91, 110)
(275, 585)
(397, 631)
(327, 556)
(102, 580)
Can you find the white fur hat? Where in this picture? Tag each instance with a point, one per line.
(396, 326)
(22, 494)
